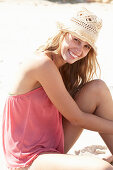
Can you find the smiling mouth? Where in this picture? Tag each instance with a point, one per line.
(72, 54)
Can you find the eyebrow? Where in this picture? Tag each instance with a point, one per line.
(82, 41)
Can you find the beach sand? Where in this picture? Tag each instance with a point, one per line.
(24, 25)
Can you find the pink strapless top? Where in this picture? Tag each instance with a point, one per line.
(31, 125)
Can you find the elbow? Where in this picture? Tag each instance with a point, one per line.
(76, 123)
(78, 120)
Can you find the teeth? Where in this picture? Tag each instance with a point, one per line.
(73, 54)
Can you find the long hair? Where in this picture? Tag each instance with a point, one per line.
(77, 74)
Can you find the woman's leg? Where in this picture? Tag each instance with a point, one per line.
(68, 162)
(94, 97)
(71, 134)
(105, 110)
(82, 98)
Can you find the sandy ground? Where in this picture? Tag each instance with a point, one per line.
(24, 25)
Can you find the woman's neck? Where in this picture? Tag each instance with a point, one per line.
(57, 59)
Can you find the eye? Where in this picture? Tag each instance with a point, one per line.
(88, 47)
(75, 39)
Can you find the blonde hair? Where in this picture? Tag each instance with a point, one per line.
(77, 74)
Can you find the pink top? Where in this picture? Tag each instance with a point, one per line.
(31, 125)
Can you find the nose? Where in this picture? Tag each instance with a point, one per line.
(79, 49)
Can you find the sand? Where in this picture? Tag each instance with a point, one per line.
(24, 25)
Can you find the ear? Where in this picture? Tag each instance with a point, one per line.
(67, 35)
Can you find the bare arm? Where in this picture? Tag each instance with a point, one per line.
(48, 75)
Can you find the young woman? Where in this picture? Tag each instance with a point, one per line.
(53, 100)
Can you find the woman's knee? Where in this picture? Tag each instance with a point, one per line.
(97, 87)
(91, 94)
(100, 84)
(94, 86)
(100, 88)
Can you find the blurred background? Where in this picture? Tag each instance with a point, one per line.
(26, 24)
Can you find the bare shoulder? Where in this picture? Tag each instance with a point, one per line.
(38, 66)
(35, 61)
(42, 70)
(46, 72)
(27, 76)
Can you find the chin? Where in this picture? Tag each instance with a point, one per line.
(70, 62)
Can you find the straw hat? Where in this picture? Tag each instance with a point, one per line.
(85, 25)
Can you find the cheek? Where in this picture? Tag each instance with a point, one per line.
(64, 48)
(85, 52)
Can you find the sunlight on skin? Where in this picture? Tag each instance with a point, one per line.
(10, 38)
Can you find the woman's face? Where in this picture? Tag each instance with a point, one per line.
(73, 49)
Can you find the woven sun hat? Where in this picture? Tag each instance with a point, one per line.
(84, 25)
